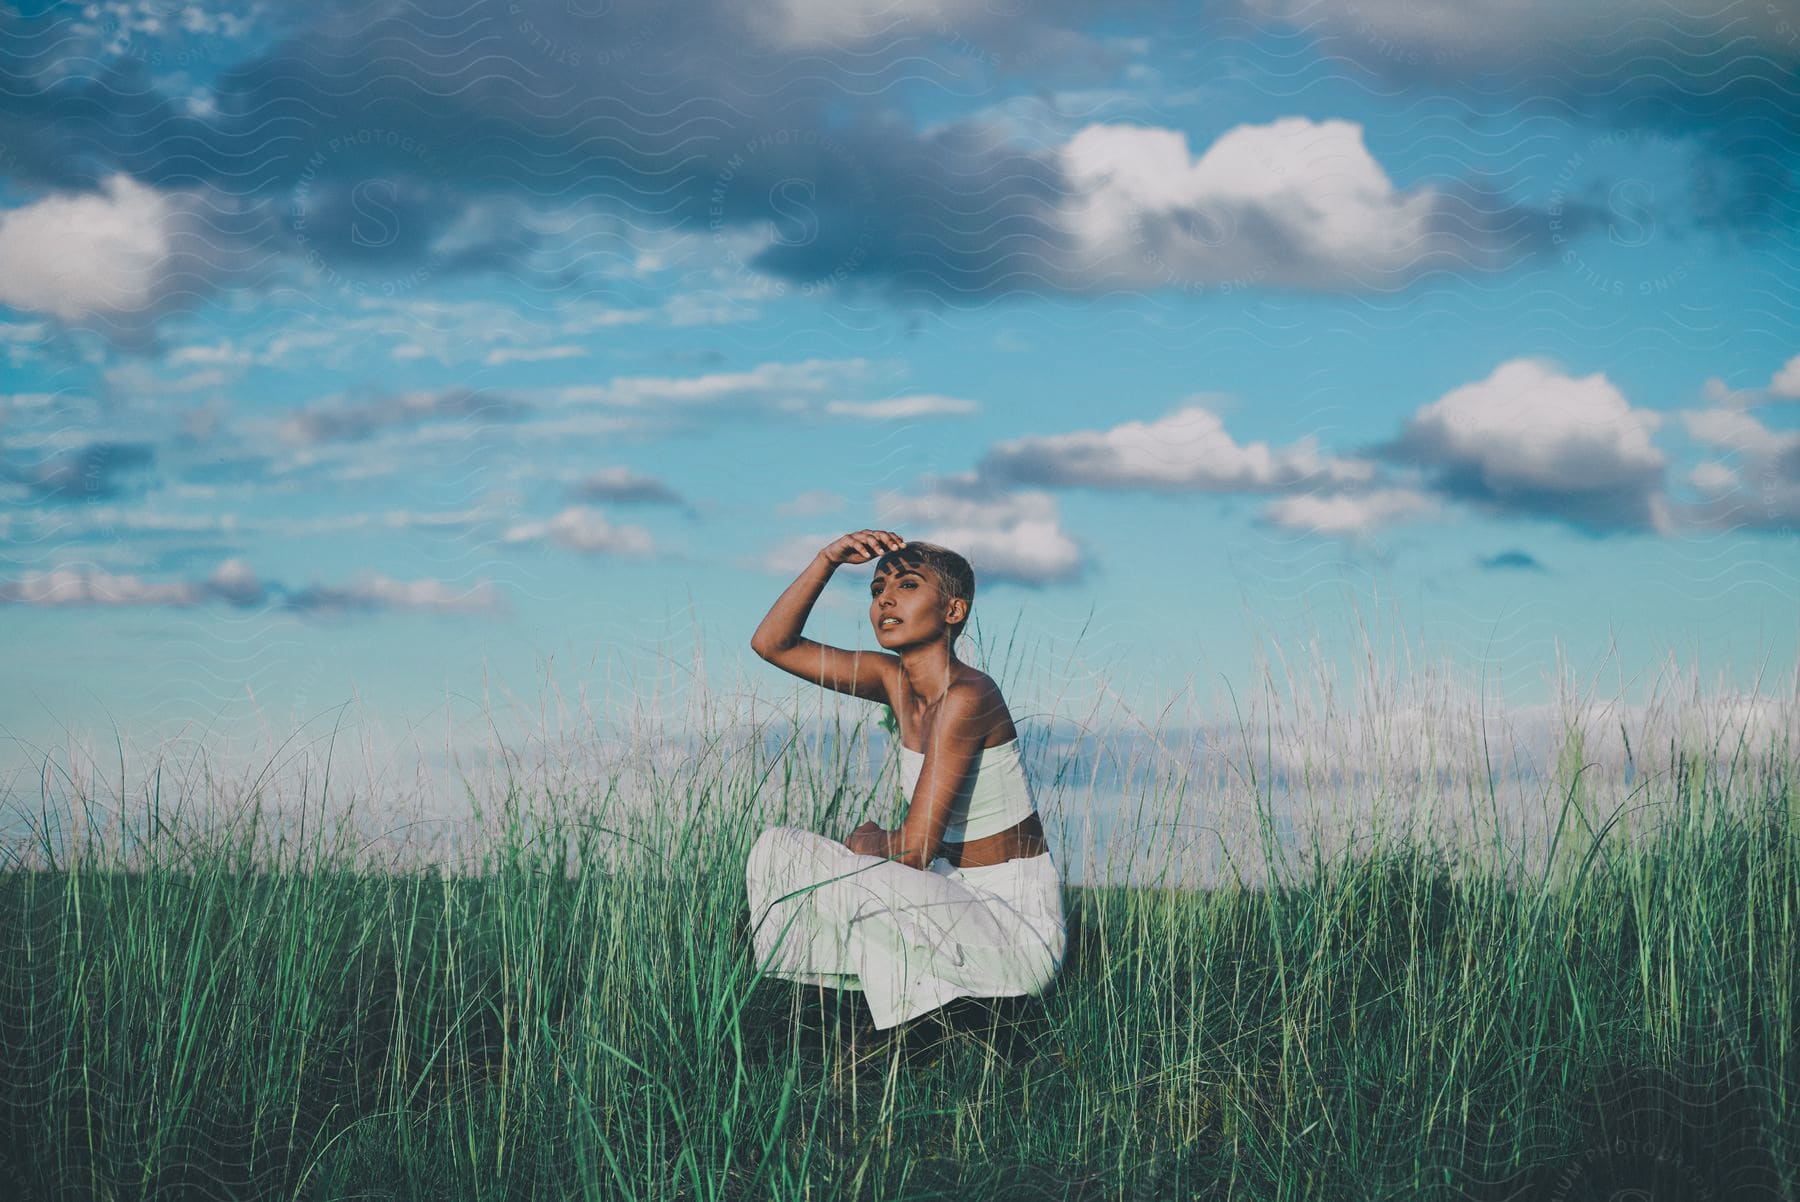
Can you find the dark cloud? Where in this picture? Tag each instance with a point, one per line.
(951, 214)
(1726, 75)
(624, 486)
(382, 147)
(96, 471)
(226, 468)
(1513, 560)
(351, 422)
(1618, 52)
(1597, 510)
(695, 126)
(1786, 464)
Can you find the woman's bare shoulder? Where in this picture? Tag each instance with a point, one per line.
(986, 706)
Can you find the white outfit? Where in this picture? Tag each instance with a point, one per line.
(995, 795)
(910, 940)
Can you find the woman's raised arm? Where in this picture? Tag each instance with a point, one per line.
(778, 639)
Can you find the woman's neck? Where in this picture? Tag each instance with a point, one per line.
(928, 672)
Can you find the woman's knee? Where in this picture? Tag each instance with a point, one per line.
(771, 845)
(756, 868)
(774, 861)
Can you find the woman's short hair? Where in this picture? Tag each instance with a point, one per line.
(954, 575)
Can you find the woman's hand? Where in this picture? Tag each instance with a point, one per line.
(868, 840)
(861, 546)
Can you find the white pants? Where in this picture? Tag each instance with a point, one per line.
(910, 940)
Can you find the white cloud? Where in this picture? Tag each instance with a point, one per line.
(1761, 489)
(163, 33)
(1530, 439)
(372, 590)
(500, 357)
(595, 426)
(689, 310)
(1294, 202)
(391, 519)
(1713, 478)
(1730, 428)
(221, 354)
(15, 403)
(921, 405)
(792, 554)
(805, 389)
(1784, 385)
(782, 387)
(1005, 535)
(72, 256)
(600, 318)
(1786, 382)
(585, 529)
(1189, 450)
(235, 582)
(1347, 514)
(91, 586)
(119, 258)
(414, 328)
(811, 504)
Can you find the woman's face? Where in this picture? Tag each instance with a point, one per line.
(905, 605)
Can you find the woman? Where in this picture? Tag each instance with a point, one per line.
(962, 899)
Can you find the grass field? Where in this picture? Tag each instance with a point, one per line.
(242, 1008)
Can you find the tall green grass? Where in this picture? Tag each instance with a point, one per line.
(230, 1005)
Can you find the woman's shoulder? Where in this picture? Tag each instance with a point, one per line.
(984, 705)
(976, 687)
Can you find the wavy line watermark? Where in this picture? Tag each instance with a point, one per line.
(1412, 15)
(368, 208)
(1184, 248)
(552, 30)
(1784, 27)
(1381, 34)
(1634, 210)
(1204, 229)
(1629, 1170)
(782, 174)
(161, 33)
(995, 21)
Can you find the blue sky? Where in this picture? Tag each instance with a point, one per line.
(424, 353)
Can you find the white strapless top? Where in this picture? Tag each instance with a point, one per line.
(994, 796)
